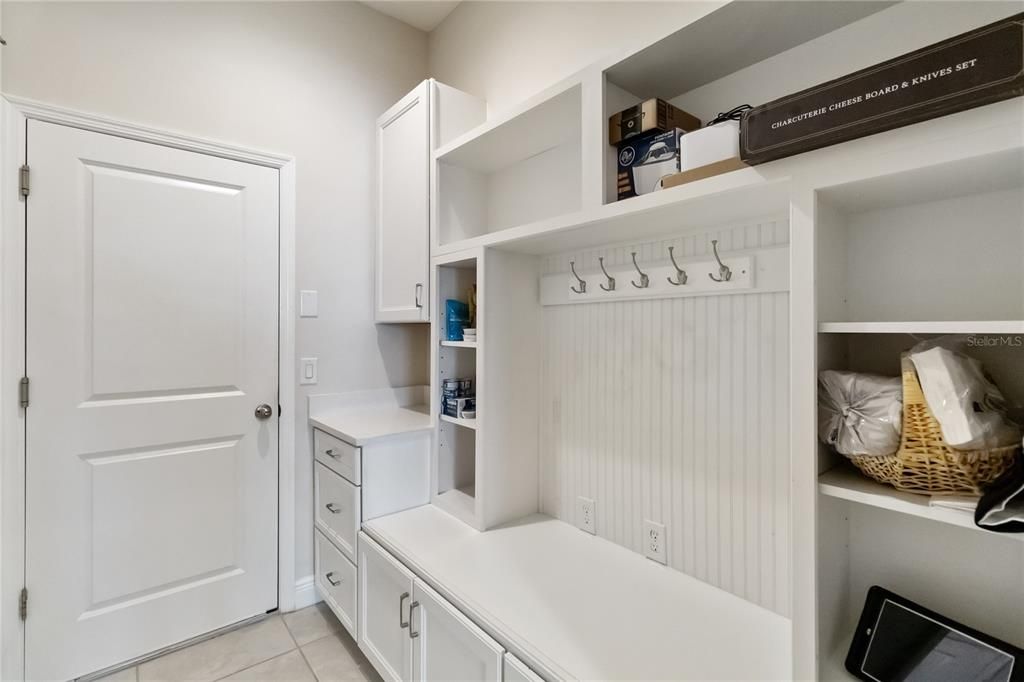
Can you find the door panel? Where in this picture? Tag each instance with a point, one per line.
(152, 302)
(403, 209)
(385, 596)
(449, 646)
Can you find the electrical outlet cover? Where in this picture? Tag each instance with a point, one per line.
(585, 515)
(655, 547)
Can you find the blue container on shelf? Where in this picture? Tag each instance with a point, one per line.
(456, 317)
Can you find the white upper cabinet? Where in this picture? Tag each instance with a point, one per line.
(406, 135)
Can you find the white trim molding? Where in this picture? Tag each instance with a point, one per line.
(305, 593)
(16, 112)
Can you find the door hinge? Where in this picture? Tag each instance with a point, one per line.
(23, 176)
(23, 391)
(23, 604)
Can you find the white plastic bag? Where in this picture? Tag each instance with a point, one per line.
(860, 414)
(970, 409)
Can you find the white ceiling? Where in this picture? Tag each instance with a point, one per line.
(422, 14)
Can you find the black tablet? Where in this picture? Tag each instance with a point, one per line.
(898, 640)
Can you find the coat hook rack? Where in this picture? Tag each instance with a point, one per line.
(645, 281)
(680, 273)
(611, 280)
(583, 283)
(724, 273)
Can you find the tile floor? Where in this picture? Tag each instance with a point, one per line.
(303, 646)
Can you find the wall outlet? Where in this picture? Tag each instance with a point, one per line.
(585, 515)
(654, 542)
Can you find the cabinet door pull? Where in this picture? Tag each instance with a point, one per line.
(412, 607)
(401, 608)
(330, 453)
(332, 581)
(419, 295)
(333, 508)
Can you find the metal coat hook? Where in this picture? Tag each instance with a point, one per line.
(724, 273)
(611, 280)
(645, 281)
(680, 273)
(583, 283)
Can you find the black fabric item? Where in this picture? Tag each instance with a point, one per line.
(1001, 509)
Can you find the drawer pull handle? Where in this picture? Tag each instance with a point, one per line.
(401, 605)
(412, 607)
(332, 581)
(333, 508)
(330, 453)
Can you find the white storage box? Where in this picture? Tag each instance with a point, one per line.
(709, 145)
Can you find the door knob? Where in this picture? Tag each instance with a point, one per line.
(264, 411)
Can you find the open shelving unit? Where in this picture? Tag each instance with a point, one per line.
(899, 259)
(904, 235)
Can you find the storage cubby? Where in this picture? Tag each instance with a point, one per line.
(520, 168)
(903, 258)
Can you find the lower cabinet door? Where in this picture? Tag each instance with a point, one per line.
(385, 599)
(447, 646)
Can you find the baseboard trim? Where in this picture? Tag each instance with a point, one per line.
(305, 592)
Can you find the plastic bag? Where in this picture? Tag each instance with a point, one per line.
(860, 414)
(970, 409)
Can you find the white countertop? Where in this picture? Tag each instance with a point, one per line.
(360, 425)
(577, 606)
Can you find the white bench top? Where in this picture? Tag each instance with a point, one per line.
(576, 606)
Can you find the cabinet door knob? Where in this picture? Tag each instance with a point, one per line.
(332, 581)
(333, 508)
(401, 607)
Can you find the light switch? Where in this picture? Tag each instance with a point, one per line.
(307, 372)
(307, 303)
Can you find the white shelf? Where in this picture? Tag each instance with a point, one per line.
(722, 199)
(459, 344)
(460, 503)
(544, 121)
(952, 327)
(466, 423)
(847, 483)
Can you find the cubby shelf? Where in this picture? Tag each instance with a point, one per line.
(722, 199)
(459, 344)
(466, 423)
(846, 483)
(952, 327)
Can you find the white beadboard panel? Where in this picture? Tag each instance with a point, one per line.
(677, 411)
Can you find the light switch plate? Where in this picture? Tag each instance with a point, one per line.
(307, 371)
(308, 304)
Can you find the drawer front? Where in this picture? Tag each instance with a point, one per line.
(337, 455)
(336, 582)
(337, 506)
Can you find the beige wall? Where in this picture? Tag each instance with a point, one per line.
(506, 51)
(305, 79)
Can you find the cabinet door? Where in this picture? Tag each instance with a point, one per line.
(385, 597)
(446, 645)
(517, 671)
(403, 209)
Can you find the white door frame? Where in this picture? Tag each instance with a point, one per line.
(15, 114)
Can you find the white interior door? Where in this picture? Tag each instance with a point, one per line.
(152, 304)
(447, 646)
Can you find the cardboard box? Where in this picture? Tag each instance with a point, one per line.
(652, 116)
(712, 169)
(644, 161)
(973, 69)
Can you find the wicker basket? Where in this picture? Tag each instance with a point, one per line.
(925, 463)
